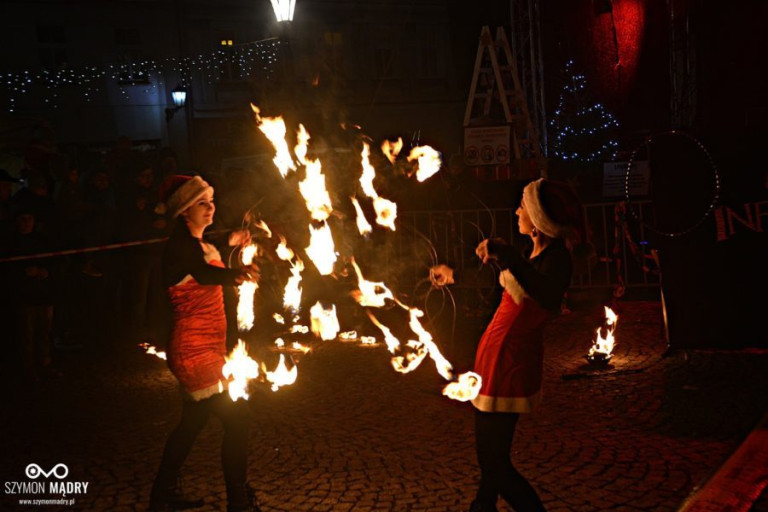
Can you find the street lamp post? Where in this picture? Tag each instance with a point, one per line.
(283, 9)
(179, 98)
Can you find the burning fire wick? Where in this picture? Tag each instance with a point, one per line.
(152, 350)
(601, 351)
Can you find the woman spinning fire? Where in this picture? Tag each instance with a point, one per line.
(510, 354)
(193, 274)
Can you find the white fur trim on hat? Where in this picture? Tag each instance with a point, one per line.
(186, 195)
(540, 220)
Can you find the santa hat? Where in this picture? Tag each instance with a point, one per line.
(177, 193)
(554, 208)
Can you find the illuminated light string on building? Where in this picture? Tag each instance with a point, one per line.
(250, 59)
(581, 133)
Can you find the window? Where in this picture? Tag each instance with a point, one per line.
(229, 61)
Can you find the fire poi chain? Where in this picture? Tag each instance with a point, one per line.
(240, 368)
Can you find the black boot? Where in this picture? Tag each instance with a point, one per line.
(243, 501)
(168, 498)
(479, 506)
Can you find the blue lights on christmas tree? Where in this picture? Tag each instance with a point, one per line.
(581, 132)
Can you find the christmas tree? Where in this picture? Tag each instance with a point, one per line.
(580, 131)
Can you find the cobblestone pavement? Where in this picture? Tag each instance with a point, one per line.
(353, 435)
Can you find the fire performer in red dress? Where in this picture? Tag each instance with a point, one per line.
(193, 273)
(510, 353)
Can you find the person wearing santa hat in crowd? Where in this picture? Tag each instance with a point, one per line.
(510, 353)
(193, 274)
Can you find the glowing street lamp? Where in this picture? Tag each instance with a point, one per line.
(179, 98)
(283, 9)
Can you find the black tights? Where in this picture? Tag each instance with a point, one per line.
(234, 447)
(493, 439)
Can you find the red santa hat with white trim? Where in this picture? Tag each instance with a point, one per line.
(179, 192)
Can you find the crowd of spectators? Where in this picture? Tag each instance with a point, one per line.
(60, 202)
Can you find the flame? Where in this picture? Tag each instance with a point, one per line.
(392, 343)
(368, 340)
(302, 140)
(369, 173)
(315, 194)
(292, 294)
(369, 293)
(392, 149)
(386, 210)
(279, 318)
(263, 226)
(152, 350)
(303, 329)
(321, 249)
(279, 343)
(604, 345)
(245, 293)
(428, 160)
(363, 226)
(299, 347)
(444, 368)
(325, 324)
(348, 336)
(465, 388)
(239, 368)
(281, 375)
(412, 359)
(282, 250)
(274, 129)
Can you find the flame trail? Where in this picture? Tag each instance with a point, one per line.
(363, 226)
(392, 343)
(386, 210)
(370, 293)
(263, 226)
(245, 293)
(274, 129)
(465, 388)
(315, 194)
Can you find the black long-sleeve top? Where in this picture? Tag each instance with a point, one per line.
(544, 278)
(184, 256)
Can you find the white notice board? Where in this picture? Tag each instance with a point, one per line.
(615, 175)
(486, 145)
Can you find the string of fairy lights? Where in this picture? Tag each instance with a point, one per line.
(581, 133)
(242, 61)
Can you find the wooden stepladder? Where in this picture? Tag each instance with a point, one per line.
(497, 106)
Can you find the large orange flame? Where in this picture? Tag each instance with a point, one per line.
(239, 368)
(274, 129)
(321, 249)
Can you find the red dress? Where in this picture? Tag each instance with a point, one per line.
(199, 339)
(510, 356)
